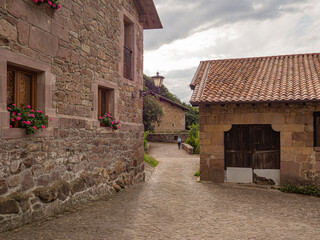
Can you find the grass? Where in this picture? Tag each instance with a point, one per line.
(305, 190)
(197, 173)
(150, 160)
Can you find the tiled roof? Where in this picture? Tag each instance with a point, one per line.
(161, 98)
(285, 78)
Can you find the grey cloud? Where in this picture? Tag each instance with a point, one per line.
(181, 18)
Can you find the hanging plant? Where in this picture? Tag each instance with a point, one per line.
(52, 3)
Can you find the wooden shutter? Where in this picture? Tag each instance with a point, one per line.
(21, 88)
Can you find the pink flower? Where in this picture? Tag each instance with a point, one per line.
(8, 108)
(32, 110)
(28, 106)
(59, 6)
(43, 126)
(34, 127)
(41, 0)
(99, 117)
(12, 120)
(13, 105)
(14, 113)
(53, 5)
(50, 3)
(35, 1)
(50, 119)
(118, 127)
(28, 122)
(10, 126)
(23, 122)
(19, 114)
(18, 118)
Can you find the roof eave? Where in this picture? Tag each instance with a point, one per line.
(197, 103)
(149, 17)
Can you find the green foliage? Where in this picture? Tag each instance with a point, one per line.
(152, 113)
(197, 173)
(145, 142)
(194, 138)
(192, 116)
(150, 160)
(305, 190)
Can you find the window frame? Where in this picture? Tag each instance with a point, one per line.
(112, 87)
(45, 82)
(127, 17)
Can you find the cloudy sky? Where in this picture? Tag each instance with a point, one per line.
(196, 30)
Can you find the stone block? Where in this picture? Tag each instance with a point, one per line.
(302, 136)
(286, 139)
(15, 166)
(14, 181)
(8, 206)
(77, 185)
(22, 199)
(26, 180)
(3, 186)
(44, 42)
(7, 30)
(23, 32)
(59, 30)
(289, 172)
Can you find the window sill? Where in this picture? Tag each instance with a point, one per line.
(18, 133)
(129, 81)
(316, 149)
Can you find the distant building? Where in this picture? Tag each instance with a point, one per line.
(173, 119)
(259, 119)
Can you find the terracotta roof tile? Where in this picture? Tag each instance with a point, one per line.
(262, 79)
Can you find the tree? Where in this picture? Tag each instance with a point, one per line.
(152, 112)
(192, 116)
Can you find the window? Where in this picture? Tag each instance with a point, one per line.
(103, 95)
(128, 49)
(21, 87)
(316, 129)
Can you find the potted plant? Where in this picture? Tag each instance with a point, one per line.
(107, 120)
(52, 3)
(28, 118)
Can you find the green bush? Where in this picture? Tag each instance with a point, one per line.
(197, 173)
(305, 190)
(145, 142)
(150, 160)
(194, 138)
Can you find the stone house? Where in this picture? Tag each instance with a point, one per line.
(75, 64)
(259, 119)
(174, 117)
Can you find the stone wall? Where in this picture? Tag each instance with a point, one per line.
(74, 49)
(299, 160)
(173, 119)
(167, 137)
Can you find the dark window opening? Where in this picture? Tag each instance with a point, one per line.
(316, 129)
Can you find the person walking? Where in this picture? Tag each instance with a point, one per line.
(179, 142)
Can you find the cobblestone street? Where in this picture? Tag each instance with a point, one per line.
(173, 205)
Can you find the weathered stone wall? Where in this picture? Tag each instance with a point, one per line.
(167, 137)
(299, 160)
(41, 176)
(173, 119)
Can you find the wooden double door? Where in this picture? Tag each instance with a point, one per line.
(252, 146)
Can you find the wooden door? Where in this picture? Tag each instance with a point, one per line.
(252, 146)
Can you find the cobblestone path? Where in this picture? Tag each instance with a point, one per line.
(172, 205)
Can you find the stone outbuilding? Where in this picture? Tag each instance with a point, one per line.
(259, 119)
(75, 64)
(174, 117)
